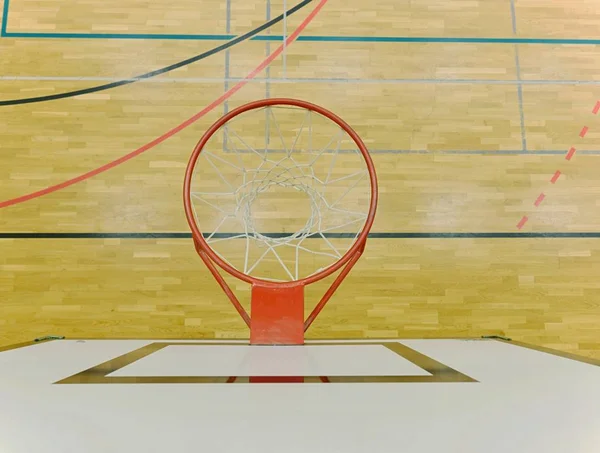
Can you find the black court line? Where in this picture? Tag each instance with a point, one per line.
(164, 70)
(389, 235)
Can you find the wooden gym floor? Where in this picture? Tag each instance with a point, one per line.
(469, 109)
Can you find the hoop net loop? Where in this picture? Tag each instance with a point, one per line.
(280, 190)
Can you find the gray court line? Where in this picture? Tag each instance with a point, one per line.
(284, 39)
(268, 52)
(508, 152)
(272, 80)
(513, 14)
(520, 97)
(227, 75)
(227, 78)
(268, 81)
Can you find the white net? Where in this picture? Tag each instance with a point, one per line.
(280, 193)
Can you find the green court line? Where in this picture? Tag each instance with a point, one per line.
(4, 19)
(306, 38)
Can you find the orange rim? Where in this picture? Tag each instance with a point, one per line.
(197, 234)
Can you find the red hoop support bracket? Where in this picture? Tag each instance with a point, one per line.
(277, 308)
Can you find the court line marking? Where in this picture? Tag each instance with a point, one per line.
(267, 77)
(268, 50)
(156, 72)
(267, 61)
(309, 38)
(473, 152)
(557, 173)
(467, 152)
(372, 235)
(4, 23)
(17, 78)
(464, 152)
(518, 69)
(227, 68)
(520, 100)
(227, 56)
(539, 200)
(4, 19)
(513, 16)
(284, 35)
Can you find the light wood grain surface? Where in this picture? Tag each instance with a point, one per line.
(446, 121)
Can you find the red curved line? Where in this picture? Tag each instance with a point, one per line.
(291, 38)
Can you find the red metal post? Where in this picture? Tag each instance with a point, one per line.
(332, 289)
(224, 286)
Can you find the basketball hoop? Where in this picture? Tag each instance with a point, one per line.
(280, 193)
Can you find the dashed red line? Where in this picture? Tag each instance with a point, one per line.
(557, 174)
(539, 200)
(522, 222)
